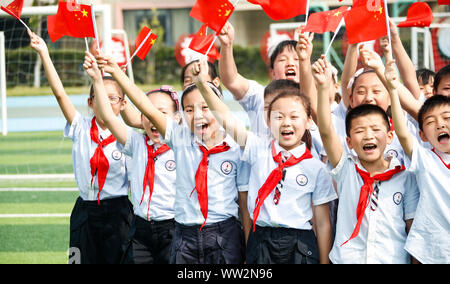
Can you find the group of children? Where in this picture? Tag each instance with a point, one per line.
(312, 181)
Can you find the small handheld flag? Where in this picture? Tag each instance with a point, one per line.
(214, 13)
(282, 9)
(327, 21)
(15, 9)
(143, 43)
(204, 44)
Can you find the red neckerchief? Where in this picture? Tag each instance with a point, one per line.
(275, 177)
(366, 192)
(149, 176)
(442, 160)
(201, 177)
(99, 162)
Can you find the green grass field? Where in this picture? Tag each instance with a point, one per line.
(35, 239)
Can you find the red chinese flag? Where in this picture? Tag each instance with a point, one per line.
(71, 20)
(327, 21)
(214, 13)
(365, 22)
(201, 43)
(282, 9)
(443, 2)
(14, 8)
(419, 15)
(144, 42)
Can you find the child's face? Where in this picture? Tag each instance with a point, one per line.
(369, 137)
(115, 97)
(288, 122)
(163, 103)
(369, 89)
(444, 86)
(436, 128)
(198, 116)
(427, 89)
(286, 65)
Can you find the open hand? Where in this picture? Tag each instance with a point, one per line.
(304, 46)
(322, 72)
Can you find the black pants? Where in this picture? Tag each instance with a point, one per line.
(151, 241)
(98, 233)
(269, 245)
(219, 243)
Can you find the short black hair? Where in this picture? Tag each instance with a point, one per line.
(444, 71)
(430, 104)
(193, 87)
(363, 110)
(277, 86)
(423, 75)
(106, 78)
(212, 71)
(280, 48)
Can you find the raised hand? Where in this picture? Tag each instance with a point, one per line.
(322, 72)
(391, 75)
(304, 46)
(107, 63)
(91, 67)
(370, 58)
(226, 35)
(200, 71)
(37, 43)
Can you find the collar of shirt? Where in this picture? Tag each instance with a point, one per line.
(393, 162)
(103, 133)
(227, 139)
(297, 151)
(444, 156)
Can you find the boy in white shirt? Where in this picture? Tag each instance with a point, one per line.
(428, 240)
(382, 192)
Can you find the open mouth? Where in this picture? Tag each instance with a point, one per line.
(154, 131)
(287, 134)
(443, 138)
(369, 147)
(201, 127)
(291, 73)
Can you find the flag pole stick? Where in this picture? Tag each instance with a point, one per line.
(95, 26)
(334, 36)
(24, 24)
(139, 47)
(388, 28)
(307, 12)
(210, 46)
(86, 42)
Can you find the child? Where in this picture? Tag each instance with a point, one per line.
(442, 82)
(284, 195)
(209, 176)
(428, 240)
(100, 221)
(187, 77)
(378, 234)
(151, 171)
(425, 78)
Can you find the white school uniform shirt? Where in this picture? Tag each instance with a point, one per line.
(305, 183)
(253, 104)
(382, 233)
(163, 197)
(227, 175)
(429, 238)
(116, 183)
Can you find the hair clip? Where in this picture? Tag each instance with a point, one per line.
(168, 90)
(353, 78)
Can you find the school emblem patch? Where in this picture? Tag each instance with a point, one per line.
(170, 165)
(226, 167)
(392, 153)
(116, 155)
(398, 197)
(302, 180)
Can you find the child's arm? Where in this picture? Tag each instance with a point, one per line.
(103, 106)
(330, 139)
(217, 106)
(307, 86)
(350, 65)
(405, 137)
(231, 79)
(323, 231)
(245, 215)
(131, 116)
(64, 102)
(136, 95)
(404, 64)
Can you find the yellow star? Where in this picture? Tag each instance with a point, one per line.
(337, 13)
(85, 13)
(227, 13)
(153, 41)
(380, 10)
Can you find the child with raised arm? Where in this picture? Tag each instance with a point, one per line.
(382, 194)
(151, 169)
(210, 177)
(428, 239)
(101, 218)
(288, 187)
